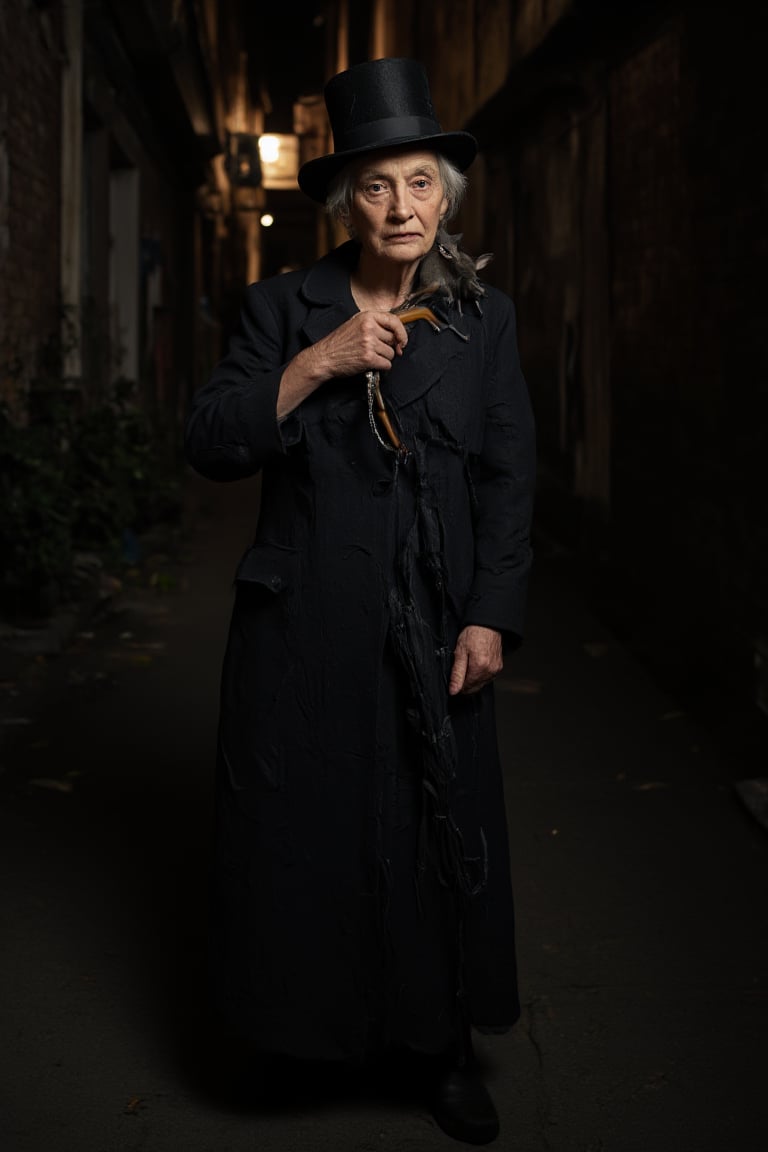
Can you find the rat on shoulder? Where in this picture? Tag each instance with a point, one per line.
(448, 273)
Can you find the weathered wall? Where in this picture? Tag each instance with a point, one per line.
(653, 300)
(30, 100)
(533, 20)
(122, 131)
(160, 256)
(689, 359)
(469, 46)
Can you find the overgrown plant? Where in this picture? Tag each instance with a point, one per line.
(36, 538)
(76, 480)
(115, 462)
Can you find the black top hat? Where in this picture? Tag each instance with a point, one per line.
(381, 104)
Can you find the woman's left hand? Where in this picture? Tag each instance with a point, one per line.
(476, 659)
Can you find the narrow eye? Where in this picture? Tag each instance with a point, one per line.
(421, 182)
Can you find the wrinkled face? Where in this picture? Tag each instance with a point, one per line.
(397, 203)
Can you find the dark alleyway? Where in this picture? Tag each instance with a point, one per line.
(641, 884)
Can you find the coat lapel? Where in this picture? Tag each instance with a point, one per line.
(424, 361)
(327, 294)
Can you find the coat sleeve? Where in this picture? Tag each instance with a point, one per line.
(503, 477)
(232, 427)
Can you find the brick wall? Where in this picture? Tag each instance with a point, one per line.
(30, 100)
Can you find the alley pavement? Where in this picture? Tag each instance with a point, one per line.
(641, 882)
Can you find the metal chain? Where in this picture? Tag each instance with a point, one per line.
(371, 381)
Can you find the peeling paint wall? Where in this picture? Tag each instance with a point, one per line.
(29, 182)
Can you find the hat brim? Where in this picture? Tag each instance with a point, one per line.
(315, 176)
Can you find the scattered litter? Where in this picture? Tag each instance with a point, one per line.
(87, 561)
(620, 776)
(126, 636)
(76, 678)
(163, 581)
(109, 586)
(85, 635)
(133, 1105)
(650, 785)
(754, 796)
(10, 721)
(131, 547)
(656, 1081)
(596, 648)
(674, 715)
(521, 685)
(51, 784)
(146, 608)
(555, 831)
(132, 657)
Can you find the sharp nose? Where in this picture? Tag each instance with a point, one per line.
(401, 205)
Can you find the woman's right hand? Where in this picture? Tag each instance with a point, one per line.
(367, 341)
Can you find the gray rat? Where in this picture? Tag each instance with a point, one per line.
(449, 273)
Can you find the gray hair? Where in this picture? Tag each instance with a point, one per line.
(341, 189)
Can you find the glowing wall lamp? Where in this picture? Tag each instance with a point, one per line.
(279, 157)
(243, 160)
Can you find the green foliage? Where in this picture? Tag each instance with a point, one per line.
(110, 465)
(77, 481)
(35, 509)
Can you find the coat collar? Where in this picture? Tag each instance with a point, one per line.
(326, 291)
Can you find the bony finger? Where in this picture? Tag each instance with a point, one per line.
(397, 328)
(458, 674)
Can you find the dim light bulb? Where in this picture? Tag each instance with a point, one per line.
(269, 149)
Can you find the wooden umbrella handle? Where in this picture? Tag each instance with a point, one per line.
(384, 416)
(407, 317)
(420, 313)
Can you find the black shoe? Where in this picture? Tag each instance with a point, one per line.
(463, 1108)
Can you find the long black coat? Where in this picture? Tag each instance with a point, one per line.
(362, 892)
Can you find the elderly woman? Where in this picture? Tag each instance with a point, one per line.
(362, 897)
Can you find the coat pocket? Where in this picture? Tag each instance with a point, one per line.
(273, 566)
(256, 697)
